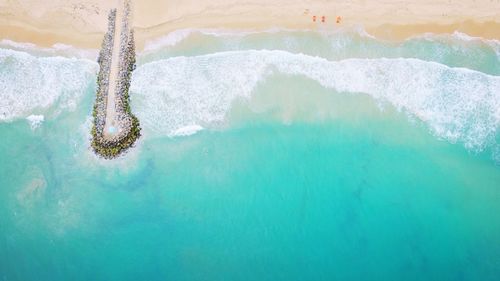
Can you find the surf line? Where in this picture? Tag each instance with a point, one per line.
(115, 129)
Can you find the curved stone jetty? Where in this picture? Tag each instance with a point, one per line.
(115, 128)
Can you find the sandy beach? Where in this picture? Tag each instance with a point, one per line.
(82, 22)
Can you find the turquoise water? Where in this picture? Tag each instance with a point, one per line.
(267, 156)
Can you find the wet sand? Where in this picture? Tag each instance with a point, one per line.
(83, 22)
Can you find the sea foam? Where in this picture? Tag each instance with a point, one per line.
(187, 131)
(458, 104)
(57, 49)
(29, 84)
(177, 36)
(457, 38)
(455, 50)
(35, 121)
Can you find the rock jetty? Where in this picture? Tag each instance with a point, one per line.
(115, 128)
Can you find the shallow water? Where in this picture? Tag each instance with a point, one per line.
(266, 156)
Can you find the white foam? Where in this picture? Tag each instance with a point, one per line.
(466, 37)
(460, 36)
(187, 130)
(492, 43)
(170, 39)
(177, 36)
(35, 121)
(458, 104)
(31, 84)
(57, 49)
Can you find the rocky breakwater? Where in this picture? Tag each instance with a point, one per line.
(115, 129)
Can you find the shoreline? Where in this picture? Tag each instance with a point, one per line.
(82, 23)
(396, 33)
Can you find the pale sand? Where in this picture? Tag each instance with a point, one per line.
(82, 23)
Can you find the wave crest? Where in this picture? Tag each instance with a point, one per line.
(458, 104)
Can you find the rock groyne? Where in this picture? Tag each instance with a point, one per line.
(115, 128)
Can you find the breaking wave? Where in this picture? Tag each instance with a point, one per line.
(455, 50)
(30, 85)
(458, 104)
(181, 95)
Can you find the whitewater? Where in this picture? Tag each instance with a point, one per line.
(273, 155)
(458, 101)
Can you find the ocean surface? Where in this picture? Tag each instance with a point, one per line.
(277, 155)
